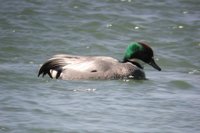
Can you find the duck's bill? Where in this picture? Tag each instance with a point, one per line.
(154, 65)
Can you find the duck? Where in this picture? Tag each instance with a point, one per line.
(76, 67)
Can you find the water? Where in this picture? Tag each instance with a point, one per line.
(31, 31)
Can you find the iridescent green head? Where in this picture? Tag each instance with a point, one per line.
(139, 50)
(132, 49)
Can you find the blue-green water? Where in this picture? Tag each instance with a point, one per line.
(31, 31)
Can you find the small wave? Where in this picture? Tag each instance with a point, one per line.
(85, 90)
(181, 84)
(194, 72)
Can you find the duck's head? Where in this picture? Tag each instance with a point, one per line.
(141, 51)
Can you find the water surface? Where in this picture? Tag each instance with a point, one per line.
(31, 31)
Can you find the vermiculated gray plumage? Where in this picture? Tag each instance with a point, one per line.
(71, 67)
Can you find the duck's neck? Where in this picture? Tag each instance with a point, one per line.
(133, 61)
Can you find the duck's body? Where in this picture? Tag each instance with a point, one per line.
(71, 67)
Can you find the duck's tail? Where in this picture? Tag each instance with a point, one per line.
(52, 67)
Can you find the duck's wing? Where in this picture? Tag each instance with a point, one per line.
(71, 64)
(59, 62)
(70, 59)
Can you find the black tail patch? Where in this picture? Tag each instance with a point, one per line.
(55, 64)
